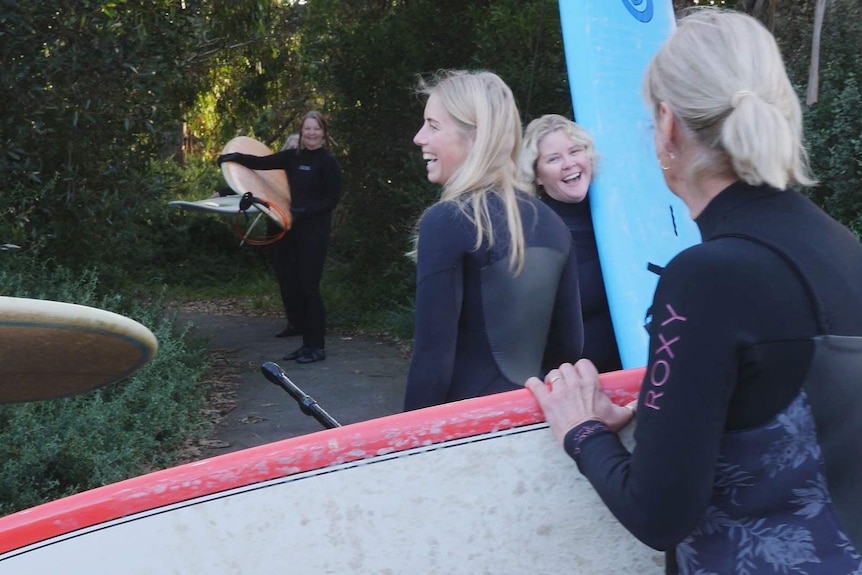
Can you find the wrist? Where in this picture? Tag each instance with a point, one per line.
(577, 436)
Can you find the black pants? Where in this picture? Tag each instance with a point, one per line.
(298, 260)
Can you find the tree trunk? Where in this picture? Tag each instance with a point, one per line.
(763, 10)
(814, 68)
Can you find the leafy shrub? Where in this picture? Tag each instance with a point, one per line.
(833, 126)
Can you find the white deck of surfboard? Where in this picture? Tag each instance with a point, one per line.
(498, 503)
(220, 205)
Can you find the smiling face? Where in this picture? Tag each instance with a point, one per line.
(444, 145)
(563, 168)
(312, 134)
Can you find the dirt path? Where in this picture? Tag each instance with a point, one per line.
(362, 378)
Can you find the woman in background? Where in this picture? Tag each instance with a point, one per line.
(291, 142)
(298, 258)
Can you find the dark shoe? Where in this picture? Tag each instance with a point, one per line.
(289, 331)
(295, 354)
(311, 354)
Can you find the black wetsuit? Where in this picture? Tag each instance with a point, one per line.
(600, 345)
(479, 330)
(748, 428)
(298, 258)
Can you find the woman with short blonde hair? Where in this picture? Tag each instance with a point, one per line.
(543, 126)
(558, 157)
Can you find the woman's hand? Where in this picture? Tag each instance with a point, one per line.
(572, 395)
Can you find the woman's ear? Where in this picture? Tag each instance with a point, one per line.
(665, 126)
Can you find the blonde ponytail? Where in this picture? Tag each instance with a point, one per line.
(722, 74)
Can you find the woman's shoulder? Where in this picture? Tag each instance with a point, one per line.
(727, 266)
(533, 206)
(323, 153)
(528, 198)
(449, 218)
(442, 213)
(712, 255)
(445, 228)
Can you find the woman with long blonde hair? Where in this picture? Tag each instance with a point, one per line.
(496, 284)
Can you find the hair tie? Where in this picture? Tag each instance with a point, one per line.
(737, 98)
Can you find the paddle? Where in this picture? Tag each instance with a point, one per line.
(307, 404)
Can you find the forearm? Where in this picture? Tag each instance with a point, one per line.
(277, 161)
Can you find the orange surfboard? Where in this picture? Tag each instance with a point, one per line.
(268, 185)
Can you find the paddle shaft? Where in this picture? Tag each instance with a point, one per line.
(307, 404)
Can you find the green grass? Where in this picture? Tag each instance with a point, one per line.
(258, 291)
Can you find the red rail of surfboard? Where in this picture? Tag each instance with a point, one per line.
(318, 450)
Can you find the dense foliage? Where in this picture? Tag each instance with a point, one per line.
(360, 59)
(833, 126)
(93, 97)
(113, 108)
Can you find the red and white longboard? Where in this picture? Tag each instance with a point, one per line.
(478, 486)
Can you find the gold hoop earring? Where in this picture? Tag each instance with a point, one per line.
(670, 156)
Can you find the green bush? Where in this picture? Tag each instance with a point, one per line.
(833, 126)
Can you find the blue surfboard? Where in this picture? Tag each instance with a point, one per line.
(639, 224)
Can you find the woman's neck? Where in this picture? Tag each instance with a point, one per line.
(700, 194)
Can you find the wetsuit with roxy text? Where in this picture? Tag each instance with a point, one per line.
(748, 426)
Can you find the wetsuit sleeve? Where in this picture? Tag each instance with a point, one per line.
(661, 491)
(566, 335)
(276, 161)
(443, 241)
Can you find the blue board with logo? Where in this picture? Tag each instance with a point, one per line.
(639, 224)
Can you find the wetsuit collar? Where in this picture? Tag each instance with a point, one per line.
(729, 199)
